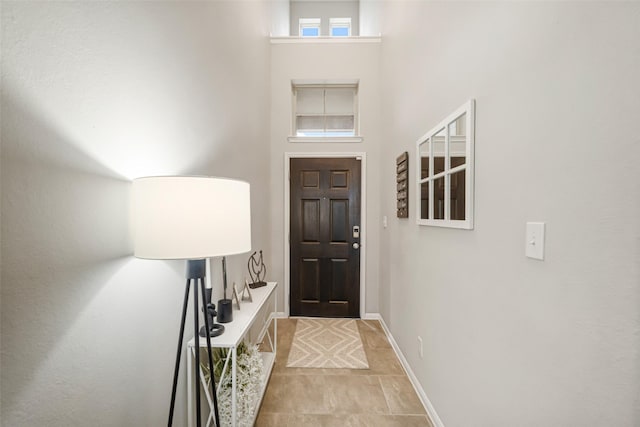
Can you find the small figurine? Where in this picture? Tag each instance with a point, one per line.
(257, 271)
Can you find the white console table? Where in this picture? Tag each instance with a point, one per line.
(234, 333)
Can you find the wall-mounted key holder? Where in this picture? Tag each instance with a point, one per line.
(402, 185)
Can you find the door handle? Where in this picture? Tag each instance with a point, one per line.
(356, 245)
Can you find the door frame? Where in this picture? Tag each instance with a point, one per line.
(363, 220)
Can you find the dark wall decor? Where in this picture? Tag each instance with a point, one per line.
(402, 184)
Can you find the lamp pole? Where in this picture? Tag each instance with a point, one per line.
(196, 272)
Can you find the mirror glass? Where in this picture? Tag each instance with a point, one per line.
(438, 198)
(424, 159)
(438, 151)
(458, 141)
(424, 173)
(457, 195)
(424, 200)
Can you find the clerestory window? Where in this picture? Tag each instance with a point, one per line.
(340, 27)
(309, 27)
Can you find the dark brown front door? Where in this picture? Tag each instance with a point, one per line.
(325, 254)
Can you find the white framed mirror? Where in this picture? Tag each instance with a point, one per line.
(445, 158)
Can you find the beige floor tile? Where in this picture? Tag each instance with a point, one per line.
(393, 421)
(286, 329)
(374, 340)
(371, 324)
(296, 394)
(325, 420)
(351, 420)
(266, 419)
(373, 337)
(355, 395)
(401, 396)
(382, 361)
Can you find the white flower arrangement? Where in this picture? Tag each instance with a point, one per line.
(249, 373)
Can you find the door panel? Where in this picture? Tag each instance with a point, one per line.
(339, 221)
(325, 267)
(339, 275)
(310, 279)
(311, 221)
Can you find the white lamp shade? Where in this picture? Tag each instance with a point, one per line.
(182, 217)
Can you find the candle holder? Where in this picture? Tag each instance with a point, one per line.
(225, 305)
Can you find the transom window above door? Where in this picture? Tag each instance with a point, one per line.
(325, 111)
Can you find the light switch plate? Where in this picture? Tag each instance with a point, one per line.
(535, 240)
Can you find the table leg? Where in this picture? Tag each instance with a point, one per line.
(234, 406)
(190, 374)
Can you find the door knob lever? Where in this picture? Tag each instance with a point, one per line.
(356, 245)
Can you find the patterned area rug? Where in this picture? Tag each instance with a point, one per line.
(327, 343)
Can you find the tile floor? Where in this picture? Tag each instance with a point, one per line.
(379, 396)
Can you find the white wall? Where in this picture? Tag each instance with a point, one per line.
(509, 340)
(370, 17)
(94, 94)
(279, 18)
(326, 61)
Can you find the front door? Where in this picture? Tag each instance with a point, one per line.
(325, 237)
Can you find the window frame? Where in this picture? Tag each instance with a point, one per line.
(469, 109)
(309, 23)
(339, 23)
(353, 84)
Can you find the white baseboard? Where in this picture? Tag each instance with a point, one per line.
(431, 412)
(279, 315)
(371, 316)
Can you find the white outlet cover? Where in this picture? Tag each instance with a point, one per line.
(534, 244)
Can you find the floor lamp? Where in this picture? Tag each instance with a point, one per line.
(191, 218)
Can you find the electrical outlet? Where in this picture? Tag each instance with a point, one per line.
(420, 352)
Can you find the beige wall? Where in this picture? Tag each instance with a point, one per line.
(326, 61)
(93, 95)
(510, 340)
